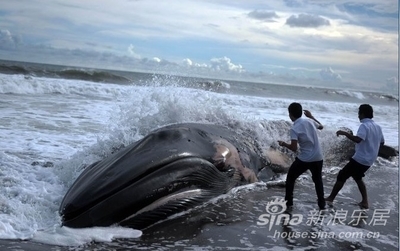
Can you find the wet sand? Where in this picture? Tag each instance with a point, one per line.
(231, 222)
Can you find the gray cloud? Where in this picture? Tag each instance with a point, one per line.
(392, 84)
(8, 40)
(132, 52)
(263, 15)
(307, 21)
(329, 75)
(293, 3)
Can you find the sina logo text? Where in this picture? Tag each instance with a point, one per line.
(275, 216)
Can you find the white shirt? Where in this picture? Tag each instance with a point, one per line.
(372, 136)
(305, 132)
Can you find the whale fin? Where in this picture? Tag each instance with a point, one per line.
(278, 161)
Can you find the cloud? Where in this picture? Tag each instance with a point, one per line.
(307, 21)
(355, 38)
(187, 62)
(155, 61)
(329, 75)
(8, 41)
(225, 64)
(392, 83)
(262, 15)
(131, 50)
(293, 3)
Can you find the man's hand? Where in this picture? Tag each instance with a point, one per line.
(350, 136)
(308, 114)
(292, 146)
(340, 132)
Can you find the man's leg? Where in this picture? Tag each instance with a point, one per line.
(335, 190)
(295, 170)
(316, 171)
(343, 175)
(363, 191)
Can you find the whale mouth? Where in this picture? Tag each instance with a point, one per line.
(168, 189)
(203, 182)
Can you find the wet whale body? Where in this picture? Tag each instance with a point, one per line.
(168, 171)
(171, 170)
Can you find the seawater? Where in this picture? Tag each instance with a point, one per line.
(54, 122)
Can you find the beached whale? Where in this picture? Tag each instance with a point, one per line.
(172, 169)
(168, 171)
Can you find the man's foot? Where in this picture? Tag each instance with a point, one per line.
(289, 209)
(363, 205)
(328, 199)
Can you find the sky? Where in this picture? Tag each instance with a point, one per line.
(336, 43)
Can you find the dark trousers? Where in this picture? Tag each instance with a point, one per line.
(296, 169)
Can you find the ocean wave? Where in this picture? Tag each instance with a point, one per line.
(363, 95)
(94, 76)
(159, 80)
(102, 76)
(142, 110)
(216, 86)
(347, 93)
(20, 84)
(13, 69)
(387, 96)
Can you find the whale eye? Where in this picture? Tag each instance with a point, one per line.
(230, 172)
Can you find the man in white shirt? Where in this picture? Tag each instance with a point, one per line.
(304, 133)
(369, 138)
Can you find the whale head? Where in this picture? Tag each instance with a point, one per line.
(168, 171)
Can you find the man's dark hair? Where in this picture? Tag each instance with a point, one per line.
(366, 110)
(295, 110)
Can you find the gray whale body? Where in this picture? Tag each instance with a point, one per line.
(170, 170)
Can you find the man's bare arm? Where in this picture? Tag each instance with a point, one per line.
(308, 114)
(352, 137)
(292, 146)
